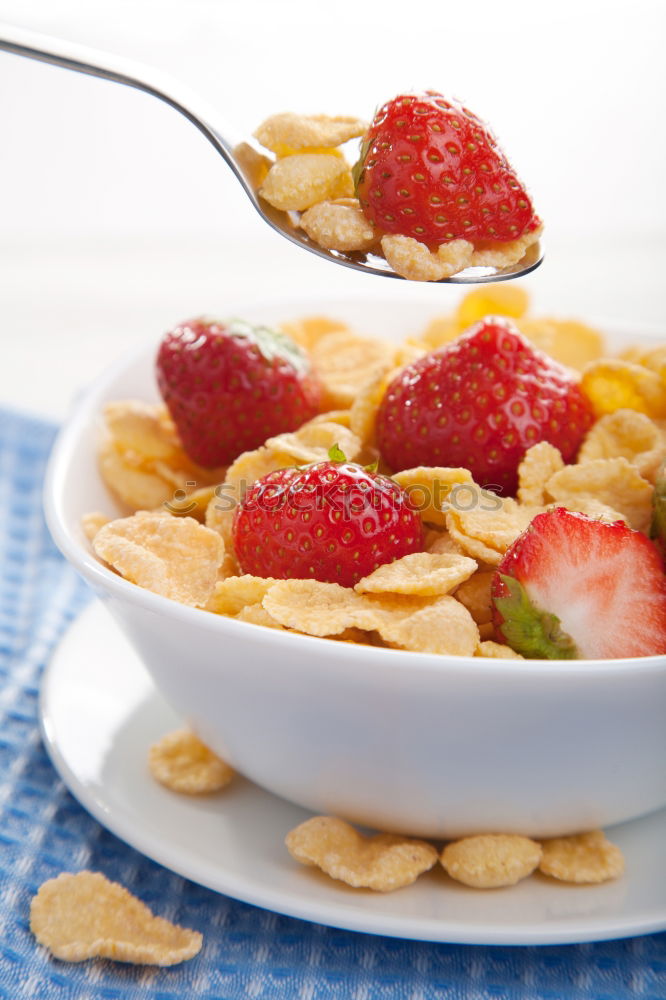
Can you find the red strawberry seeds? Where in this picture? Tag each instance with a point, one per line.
(332, 521)
(430, 169)
(229, 386)
(572, 587)
(480, 403)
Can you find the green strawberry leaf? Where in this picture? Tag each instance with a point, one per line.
(272, 344)
(531, 632)
(357, 169)
(658, 525)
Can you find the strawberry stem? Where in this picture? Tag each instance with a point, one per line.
(531, 632)
(271, 343)
(658, 524)
(336, 454)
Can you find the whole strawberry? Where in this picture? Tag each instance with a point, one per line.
(230, 385)
(572, 587)
(432, 170)
(332, 521)
(480, 403)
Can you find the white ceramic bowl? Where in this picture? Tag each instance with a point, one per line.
(430, 745)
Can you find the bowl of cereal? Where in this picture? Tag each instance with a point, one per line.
(397, 698)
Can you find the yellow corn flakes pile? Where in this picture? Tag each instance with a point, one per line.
(176, 537)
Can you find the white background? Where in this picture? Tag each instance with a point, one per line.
(117, 219)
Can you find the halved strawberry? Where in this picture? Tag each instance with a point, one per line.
(572, 587)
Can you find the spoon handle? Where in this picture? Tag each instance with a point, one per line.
(118, 69)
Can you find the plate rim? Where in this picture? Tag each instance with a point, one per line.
(336, 914)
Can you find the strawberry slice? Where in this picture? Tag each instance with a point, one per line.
(571, 587)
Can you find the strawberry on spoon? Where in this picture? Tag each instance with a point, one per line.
(431, 170)
(230, 385)
(333, 521)
(572, 587)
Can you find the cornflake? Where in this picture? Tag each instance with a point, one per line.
(433, 490)
(288, 132)
(420, 624)
(256, 614)
(443, 627)
(92, 522)
(141, 458)
(136, 487)
(497, 651)
(486, 534)
(181, 762)
(502, 298)
(173, 556)
(339, 225)
(144, 429)
(475, 595)
(441, 542)
(490, 861)
(612, 384)
(321, 609)
(626, 434)
(363, 411)
(194, 504)
(593, 508)
(613, 482)
(86, 916)
(585, 858)
(654, 358)
(345, 362)
(415, 261)
(297, 182)
(422, 573)
(440, 331)
(382, 862)
(255, 165)
(541, 461)
(307, 330)
(313, 441)
(570, 342)
(504, 254)
(234, 593)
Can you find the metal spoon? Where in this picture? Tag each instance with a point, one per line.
(110, 67)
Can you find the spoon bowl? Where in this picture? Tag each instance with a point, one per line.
(82, 59)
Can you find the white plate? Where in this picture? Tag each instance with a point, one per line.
(100, 712)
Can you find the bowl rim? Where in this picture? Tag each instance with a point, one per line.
(85, 409)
